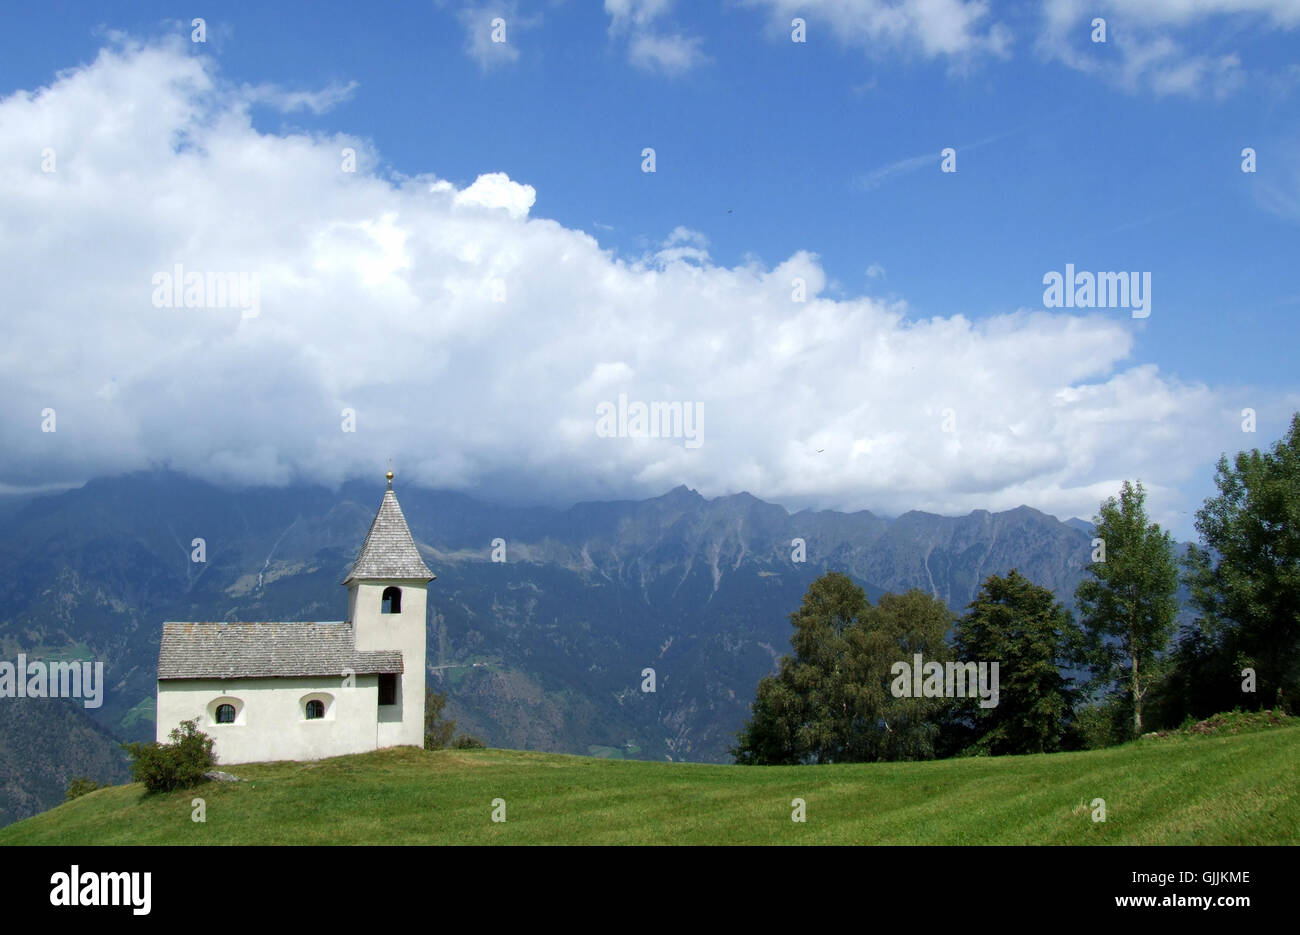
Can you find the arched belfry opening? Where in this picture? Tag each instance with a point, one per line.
(392, 600)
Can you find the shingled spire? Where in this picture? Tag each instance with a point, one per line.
(389, 551)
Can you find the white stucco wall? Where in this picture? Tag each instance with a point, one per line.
(271, 721)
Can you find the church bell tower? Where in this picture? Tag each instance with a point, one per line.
(387, 591)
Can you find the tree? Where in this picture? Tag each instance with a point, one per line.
(800, 714)
(1245, 579)
(1020, 626)
(437, 732)
(1127, 607)
(1202, 678)
(898, 628)
(830, 702)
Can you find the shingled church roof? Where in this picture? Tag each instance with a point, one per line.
(267, 650)
(389, 551)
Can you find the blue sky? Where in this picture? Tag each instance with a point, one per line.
(1121, 156)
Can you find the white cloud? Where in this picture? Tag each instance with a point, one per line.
(496, 190)
(673, 55)
(1282, 13)
(628, 14)
(959, 29)
(682, 234)
(1151, 46)
(377, 296)
(606, 377)
(477, 21)
(682, 245)
(318, 102)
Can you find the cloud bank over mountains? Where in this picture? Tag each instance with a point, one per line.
(473, 342)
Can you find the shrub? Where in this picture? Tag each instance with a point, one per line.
(467, 742)
(180, 764)
(79, 787)
(1103, 724)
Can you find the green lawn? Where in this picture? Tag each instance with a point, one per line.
(1220, 789)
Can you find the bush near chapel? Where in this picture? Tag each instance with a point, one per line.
(180, 764)
(79, 786)
(438, 731)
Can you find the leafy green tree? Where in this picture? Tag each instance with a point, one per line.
(1128, 605)
(801, 713)
(1020, 626)
(830, 702)
(437, 732)
(1246, 578)
(895, 630)
(1202, 678)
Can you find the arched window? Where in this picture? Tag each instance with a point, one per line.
(392, 600)
(225, 714)
(315, 710)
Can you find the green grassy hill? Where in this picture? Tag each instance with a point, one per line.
(1181, 789)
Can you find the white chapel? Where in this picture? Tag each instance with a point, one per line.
(303, 691)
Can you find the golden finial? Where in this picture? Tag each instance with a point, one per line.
(389, 475)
